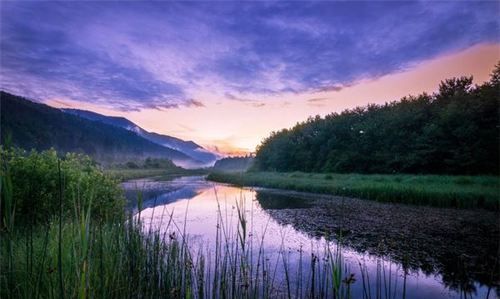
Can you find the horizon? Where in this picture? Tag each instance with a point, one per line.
(226, 77)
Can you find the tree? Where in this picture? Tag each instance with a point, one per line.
(454, 131)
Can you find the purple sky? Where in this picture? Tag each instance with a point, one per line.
(131, 56)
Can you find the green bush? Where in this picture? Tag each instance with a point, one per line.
(37, 179)
(159, 163)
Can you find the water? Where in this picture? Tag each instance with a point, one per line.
(389, 242)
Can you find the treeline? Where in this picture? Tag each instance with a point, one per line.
(148, 163)
(234, 164)
(454, 131)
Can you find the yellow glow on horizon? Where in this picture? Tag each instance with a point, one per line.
(238, 127)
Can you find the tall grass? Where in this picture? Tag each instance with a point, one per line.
(84, 259)
(433, 190)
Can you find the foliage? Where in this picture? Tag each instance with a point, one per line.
(159, 163)
(434, 190)
(148, 163)
(122, 174)
(36, 182)
(131, 165)
(455, 131)
(234, 164)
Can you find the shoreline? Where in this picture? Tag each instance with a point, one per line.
(467, 192)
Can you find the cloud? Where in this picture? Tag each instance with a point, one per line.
(331, 88)
(195, 103)
(258, 105)
(162, 55)
(315, 100)
(232, 97)
(250, 102)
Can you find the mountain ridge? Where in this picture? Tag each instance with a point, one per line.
(33, 125)
(189, 147)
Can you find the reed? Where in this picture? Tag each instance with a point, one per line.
(81, 257)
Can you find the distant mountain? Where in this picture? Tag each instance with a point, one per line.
(189, 148)
(37, 126)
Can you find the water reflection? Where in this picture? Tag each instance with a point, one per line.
(393, 252)
(154, 193)
(462, 246)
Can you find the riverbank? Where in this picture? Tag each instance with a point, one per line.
(433, 190)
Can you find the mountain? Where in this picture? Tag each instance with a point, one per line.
(189, 148)
(37, 126)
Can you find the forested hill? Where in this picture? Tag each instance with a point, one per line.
(454, 131)
(188, 148)
(37, 126)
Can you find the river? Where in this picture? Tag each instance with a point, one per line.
(391, 250)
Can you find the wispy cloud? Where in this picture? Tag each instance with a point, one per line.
(331, 88)
(232, 97)
(249, 102)
(315, 100)
(194, 103)
(163, 55)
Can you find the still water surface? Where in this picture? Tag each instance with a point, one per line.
(402, 249)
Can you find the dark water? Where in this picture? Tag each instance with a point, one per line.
(406, 251)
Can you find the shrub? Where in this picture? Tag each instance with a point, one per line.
(131, 165)
(37, 179)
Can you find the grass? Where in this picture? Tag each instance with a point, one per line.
(85, 259)
(122, 261)
(123, 174)
(130, 174)
(433, 190)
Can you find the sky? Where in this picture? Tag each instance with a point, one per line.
(226, 74)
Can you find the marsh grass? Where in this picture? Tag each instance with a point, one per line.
(433, 190)
(122, 260)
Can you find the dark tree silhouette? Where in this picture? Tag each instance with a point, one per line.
(454, 131)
